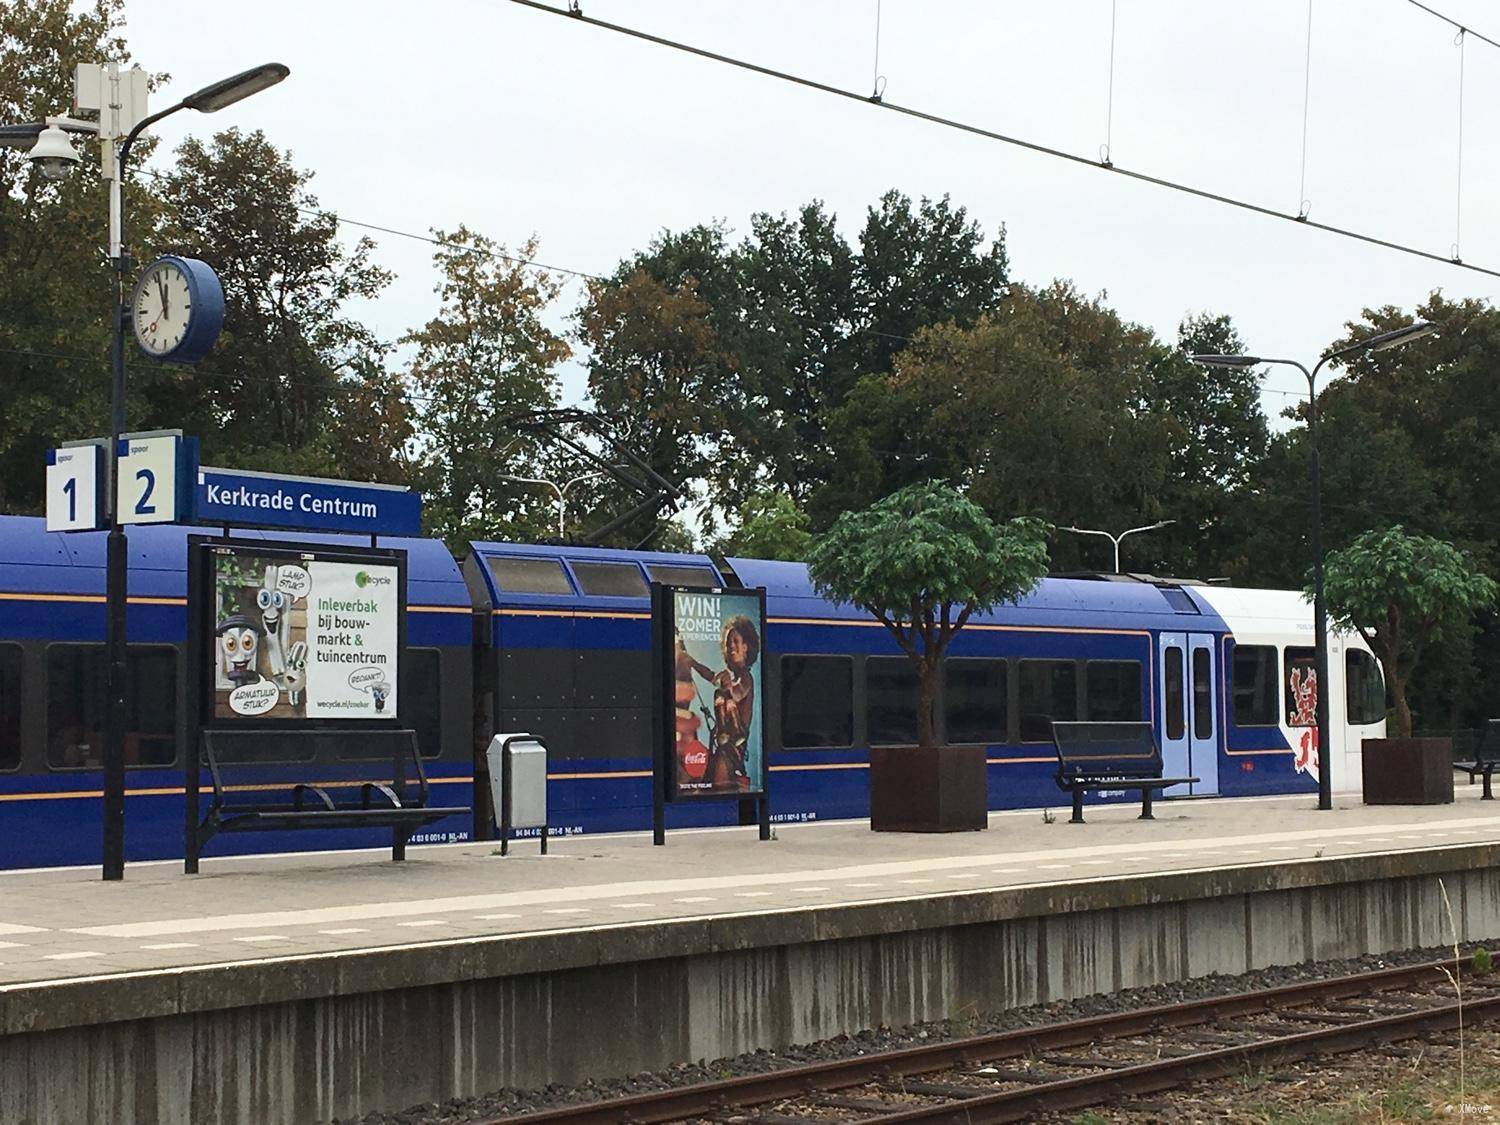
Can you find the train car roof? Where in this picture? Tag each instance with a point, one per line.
(1083, 602)
(35, 560)
(562, 575)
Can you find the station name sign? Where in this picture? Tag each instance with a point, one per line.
(237, 497)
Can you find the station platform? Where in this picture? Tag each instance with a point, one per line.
(460, 970)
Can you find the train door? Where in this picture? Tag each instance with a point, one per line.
(1203, 725)
(1176, 748)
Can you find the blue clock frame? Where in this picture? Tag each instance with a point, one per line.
(206, 318)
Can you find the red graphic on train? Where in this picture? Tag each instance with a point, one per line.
(1302, 711)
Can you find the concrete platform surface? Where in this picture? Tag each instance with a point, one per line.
(67, 925)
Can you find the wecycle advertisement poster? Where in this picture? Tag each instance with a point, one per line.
(718, 728)
(297, 636)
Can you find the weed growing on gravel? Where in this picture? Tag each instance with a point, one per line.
(1458, 988)
(1484, 962)
(1089, 1117)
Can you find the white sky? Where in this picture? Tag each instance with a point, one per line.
(515, 121)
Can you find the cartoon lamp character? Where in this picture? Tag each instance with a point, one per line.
(294, 680)
(239, 641)
(275, 614)
(380, 692)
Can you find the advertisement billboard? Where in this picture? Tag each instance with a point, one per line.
(717, 727)
(303, 634)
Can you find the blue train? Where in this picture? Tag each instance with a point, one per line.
(555, 640)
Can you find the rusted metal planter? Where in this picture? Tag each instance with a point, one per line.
(1408, 771)
(928, 789)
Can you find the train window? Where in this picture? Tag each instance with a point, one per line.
(1253, 685)
(1112, 691)
(1301, 686)
(974, 701)
(1364, 689)
(10, 707)
(891, 701)
(75, 706)
(1176, 705)
(528, 576)
(817, 701)
(699, 577)
(1203, 700)
(608, 579)
(422, 709)
(1049, 693)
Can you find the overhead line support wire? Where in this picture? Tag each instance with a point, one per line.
(990, 134)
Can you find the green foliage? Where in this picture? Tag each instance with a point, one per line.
(1403, 592)
(1483, 962)
(771, 527)
(922, 561)
(486, 355)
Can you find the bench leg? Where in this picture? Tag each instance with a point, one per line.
(398, 843)
(1146, 805)
(1077, 817)
(1487, 795)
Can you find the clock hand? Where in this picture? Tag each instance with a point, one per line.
(161, 287)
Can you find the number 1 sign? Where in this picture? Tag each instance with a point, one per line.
(75, 491)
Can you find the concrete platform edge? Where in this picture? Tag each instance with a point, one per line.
(94, 1001)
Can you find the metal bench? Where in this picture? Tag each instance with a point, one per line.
(1109, 756)
(353, 779)
(1486, 758)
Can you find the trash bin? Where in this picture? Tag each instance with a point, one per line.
(518, 784)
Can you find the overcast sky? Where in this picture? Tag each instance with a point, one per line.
(514, 121)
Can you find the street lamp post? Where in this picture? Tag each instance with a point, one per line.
(561, 491)
(1115, 539)
(120, 99)
(1379, 343)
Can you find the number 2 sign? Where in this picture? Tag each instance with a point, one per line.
(148, 480)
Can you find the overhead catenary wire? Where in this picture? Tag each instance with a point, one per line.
(1453, 22)
(1458, 202)
(1008, 139)
(1304, 205)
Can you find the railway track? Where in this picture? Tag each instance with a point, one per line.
(1016, 1075)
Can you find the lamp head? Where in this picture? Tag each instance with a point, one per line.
(53, 153)
(1396, 337)
(1225, 360)
(227, 91)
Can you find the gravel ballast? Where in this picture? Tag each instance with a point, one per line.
(512, 1101)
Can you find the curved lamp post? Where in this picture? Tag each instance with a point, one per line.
(1115, 539)
(1394, 338)
(120, 98)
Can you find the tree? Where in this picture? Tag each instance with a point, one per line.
(1039, 408)
(922, 562)
(485, 357)
(1401, 593)
(266, 396)
(771, 527)
(55, 290)
(658, 368)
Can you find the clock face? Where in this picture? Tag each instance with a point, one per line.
(163, 308)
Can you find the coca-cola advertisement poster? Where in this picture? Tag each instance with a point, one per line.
(715, 653)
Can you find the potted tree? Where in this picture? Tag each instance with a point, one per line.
(922, 561)
(1402, 593)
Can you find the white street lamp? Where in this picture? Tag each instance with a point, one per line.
(1115, 539)
(561, 491)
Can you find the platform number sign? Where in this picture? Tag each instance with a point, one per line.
(149, 480)
(75, 488)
